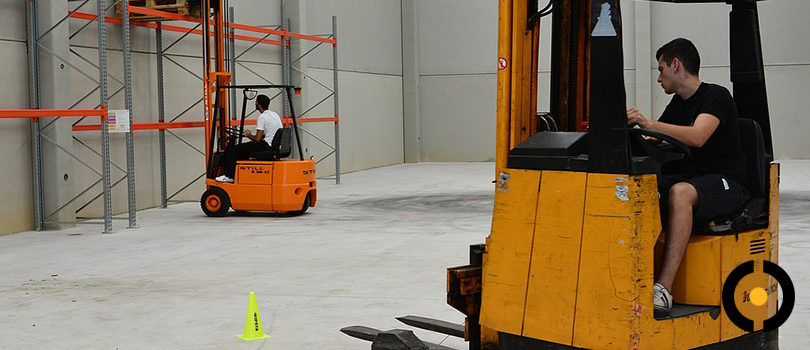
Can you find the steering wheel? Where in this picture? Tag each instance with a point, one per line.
(661, 154)
(234, 133)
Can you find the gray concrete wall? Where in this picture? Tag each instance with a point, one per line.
(16, 208)
(370, 82)
(458, 49)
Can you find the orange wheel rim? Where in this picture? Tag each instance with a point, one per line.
(213, 203)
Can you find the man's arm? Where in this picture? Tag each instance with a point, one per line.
(693, 136)
(255, 138)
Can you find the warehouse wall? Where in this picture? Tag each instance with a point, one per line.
(457, 55)
(370, 80)
(16, 213)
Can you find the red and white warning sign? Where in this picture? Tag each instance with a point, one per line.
(502, 63)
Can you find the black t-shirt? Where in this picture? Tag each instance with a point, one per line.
(722, 153)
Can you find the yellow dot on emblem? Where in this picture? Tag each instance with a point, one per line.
(759, 296)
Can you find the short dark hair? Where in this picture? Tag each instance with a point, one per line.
(264, 101)
(684, 50)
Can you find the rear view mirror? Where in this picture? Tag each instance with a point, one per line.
(250, 94)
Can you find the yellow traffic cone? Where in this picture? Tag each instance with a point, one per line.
(253, 323)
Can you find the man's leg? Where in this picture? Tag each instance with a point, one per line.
(242, 152)
(234, 153)
(683, 198)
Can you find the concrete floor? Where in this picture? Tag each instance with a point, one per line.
(375, 247)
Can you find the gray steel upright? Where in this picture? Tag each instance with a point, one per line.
(285, 58)
(125, 30)
(232, 59)
(335, 97)
(164, 202)
(36, 143)
(105, 132)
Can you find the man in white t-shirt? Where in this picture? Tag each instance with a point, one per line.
(266, 127)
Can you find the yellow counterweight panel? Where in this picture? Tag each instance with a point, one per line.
(737, 250)
(614, 291)
(509, 245)
(552, 292)
(742, 248)
(699, 279)
(680, 333)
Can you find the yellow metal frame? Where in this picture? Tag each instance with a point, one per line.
(571, 260)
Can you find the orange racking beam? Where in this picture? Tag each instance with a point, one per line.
(195, 124)
(115, 20)
(283, 33)
(42, 113)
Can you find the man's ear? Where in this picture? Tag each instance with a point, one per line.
(676, 65)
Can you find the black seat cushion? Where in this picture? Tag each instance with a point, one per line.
(263, 155)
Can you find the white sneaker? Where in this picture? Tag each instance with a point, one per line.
(662, 301)
(223, 178)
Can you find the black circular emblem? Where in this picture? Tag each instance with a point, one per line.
(746, 269)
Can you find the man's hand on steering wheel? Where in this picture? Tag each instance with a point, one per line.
(634, 116)
(649, 139)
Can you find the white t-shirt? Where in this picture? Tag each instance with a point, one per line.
(269, 122)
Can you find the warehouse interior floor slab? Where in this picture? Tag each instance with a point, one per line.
(375, 247)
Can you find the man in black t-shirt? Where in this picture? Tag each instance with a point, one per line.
(712, 182)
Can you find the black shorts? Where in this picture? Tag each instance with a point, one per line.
(718, 195)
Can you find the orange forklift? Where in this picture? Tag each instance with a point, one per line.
(268, 181)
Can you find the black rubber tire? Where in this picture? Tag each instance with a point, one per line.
(303, 209)
(215, 202)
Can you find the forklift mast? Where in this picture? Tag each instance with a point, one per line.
(215, 107)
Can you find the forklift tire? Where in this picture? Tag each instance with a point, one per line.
(303, 209)
(215, 202)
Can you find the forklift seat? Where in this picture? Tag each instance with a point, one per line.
(754, 213)
(279, 148)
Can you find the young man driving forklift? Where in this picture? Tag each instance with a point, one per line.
(712, 182)
(267, 125)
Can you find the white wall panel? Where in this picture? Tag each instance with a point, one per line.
(458, 118)
(790, 120)
(706, 25)
(13, 20)
(370, 122)
(16, 208)
(369, 34)
(457, 36)
(785, 29)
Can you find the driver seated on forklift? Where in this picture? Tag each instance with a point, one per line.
(710, 183)
(267, 125)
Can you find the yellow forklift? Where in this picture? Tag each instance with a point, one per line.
(576, 238)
